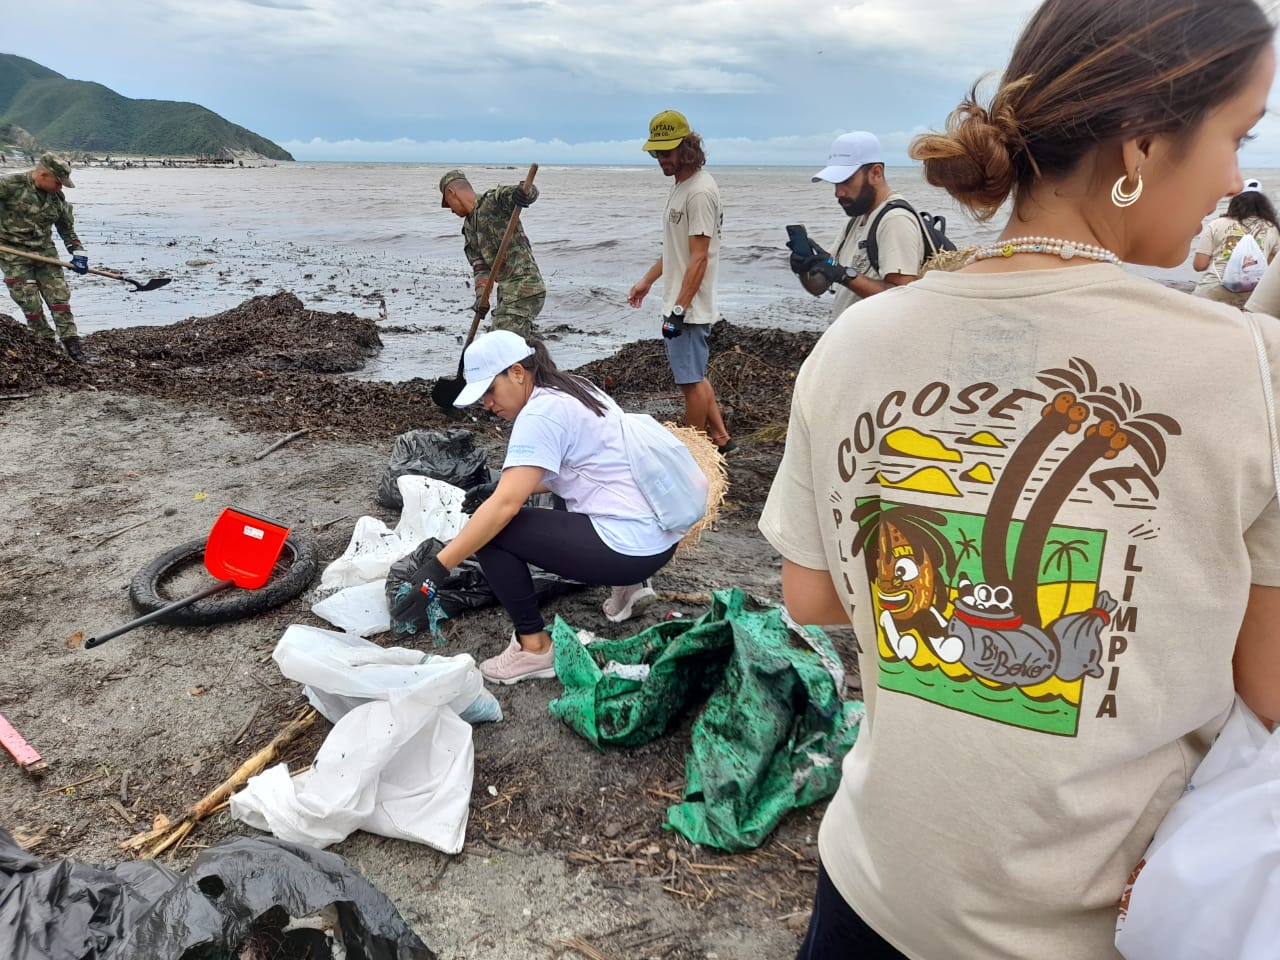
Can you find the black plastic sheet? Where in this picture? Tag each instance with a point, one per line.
(237, 893)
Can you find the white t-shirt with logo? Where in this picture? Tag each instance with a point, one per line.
(586, 464)
(693, 209)
(1043, 496)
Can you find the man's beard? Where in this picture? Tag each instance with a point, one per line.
(860, 205)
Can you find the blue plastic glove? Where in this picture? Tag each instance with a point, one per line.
(79, 261)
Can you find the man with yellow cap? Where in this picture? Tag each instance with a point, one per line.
(30, 205)
(520, 292)
(688, 266)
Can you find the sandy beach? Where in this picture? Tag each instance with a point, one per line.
(105, 466)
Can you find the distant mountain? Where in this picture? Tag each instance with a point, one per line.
(77, 115)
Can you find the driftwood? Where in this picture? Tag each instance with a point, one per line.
(170, 833)
(14, 396)
(281, 442)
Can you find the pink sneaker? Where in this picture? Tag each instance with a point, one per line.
(624, 601)
(513, 665)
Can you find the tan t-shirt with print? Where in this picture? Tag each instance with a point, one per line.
(693, 209)
(900, 248)
(1218, 239)
(1044, 496)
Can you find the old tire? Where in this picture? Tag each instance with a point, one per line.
(294, 570)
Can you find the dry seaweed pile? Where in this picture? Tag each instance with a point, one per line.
(269, 363)
(752, 370)
(28, 363)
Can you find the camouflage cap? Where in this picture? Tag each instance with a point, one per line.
(453, 176)
(58, 167)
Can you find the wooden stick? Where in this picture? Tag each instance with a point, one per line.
(281, 442)
(15, 396)
(174, 832)
(133, 526)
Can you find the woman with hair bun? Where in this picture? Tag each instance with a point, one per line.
(1039, 488)
(1248, 212)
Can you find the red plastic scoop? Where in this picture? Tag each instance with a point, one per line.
(241, 551)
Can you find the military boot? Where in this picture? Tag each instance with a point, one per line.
(73, 348)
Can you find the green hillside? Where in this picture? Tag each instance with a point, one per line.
(77, 115)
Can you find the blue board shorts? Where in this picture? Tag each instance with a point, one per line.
(688, 353)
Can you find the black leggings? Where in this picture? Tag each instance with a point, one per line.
(837, 933)
(562, 543)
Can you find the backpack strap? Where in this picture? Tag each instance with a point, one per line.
(872, 246)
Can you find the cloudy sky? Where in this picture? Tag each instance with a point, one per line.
(570, 81)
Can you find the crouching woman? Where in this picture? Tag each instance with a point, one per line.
(566, 438)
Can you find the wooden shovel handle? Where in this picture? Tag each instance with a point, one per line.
(55, 262)
(498, 260)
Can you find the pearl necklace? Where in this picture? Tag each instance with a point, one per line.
(1066, 249)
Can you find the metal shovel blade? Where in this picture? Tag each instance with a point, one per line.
(153, 284)
(446, 391)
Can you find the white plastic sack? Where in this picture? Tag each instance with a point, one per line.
(340, 671)
(432, 508)
(1209, 885)
(360, 610)
(399, 766)
(672, 482)
(1245, 266)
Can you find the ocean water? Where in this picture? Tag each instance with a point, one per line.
(373, 238)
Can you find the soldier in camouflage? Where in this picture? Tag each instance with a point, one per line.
(520, 291)
(30, 204)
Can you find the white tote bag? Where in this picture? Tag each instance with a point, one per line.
(666, 473)
(1245, 266)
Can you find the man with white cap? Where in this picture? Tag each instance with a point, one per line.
(897, 248)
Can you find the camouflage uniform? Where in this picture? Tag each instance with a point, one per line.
(26, 215)
(520, 292)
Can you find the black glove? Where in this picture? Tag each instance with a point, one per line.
(478, 495)
(832, 271)
(423, 587)
(481, 308)
(672, 326)
(79, 261)
(802, 265)
(520, 198)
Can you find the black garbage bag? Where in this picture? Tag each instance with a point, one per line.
(68, 910)
(465, 589)
(240, 898)
(448, 455)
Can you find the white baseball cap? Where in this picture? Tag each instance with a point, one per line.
(849, 152)
(489, 355)
(1252, 186)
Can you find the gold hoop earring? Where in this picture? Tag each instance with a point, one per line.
(1122, 199)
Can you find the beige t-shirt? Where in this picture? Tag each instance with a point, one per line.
(693, 210)
(1043, 496)
(1218, 239)
(901, 248)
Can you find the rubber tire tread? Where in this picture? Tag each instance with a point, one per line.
(233, 604)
